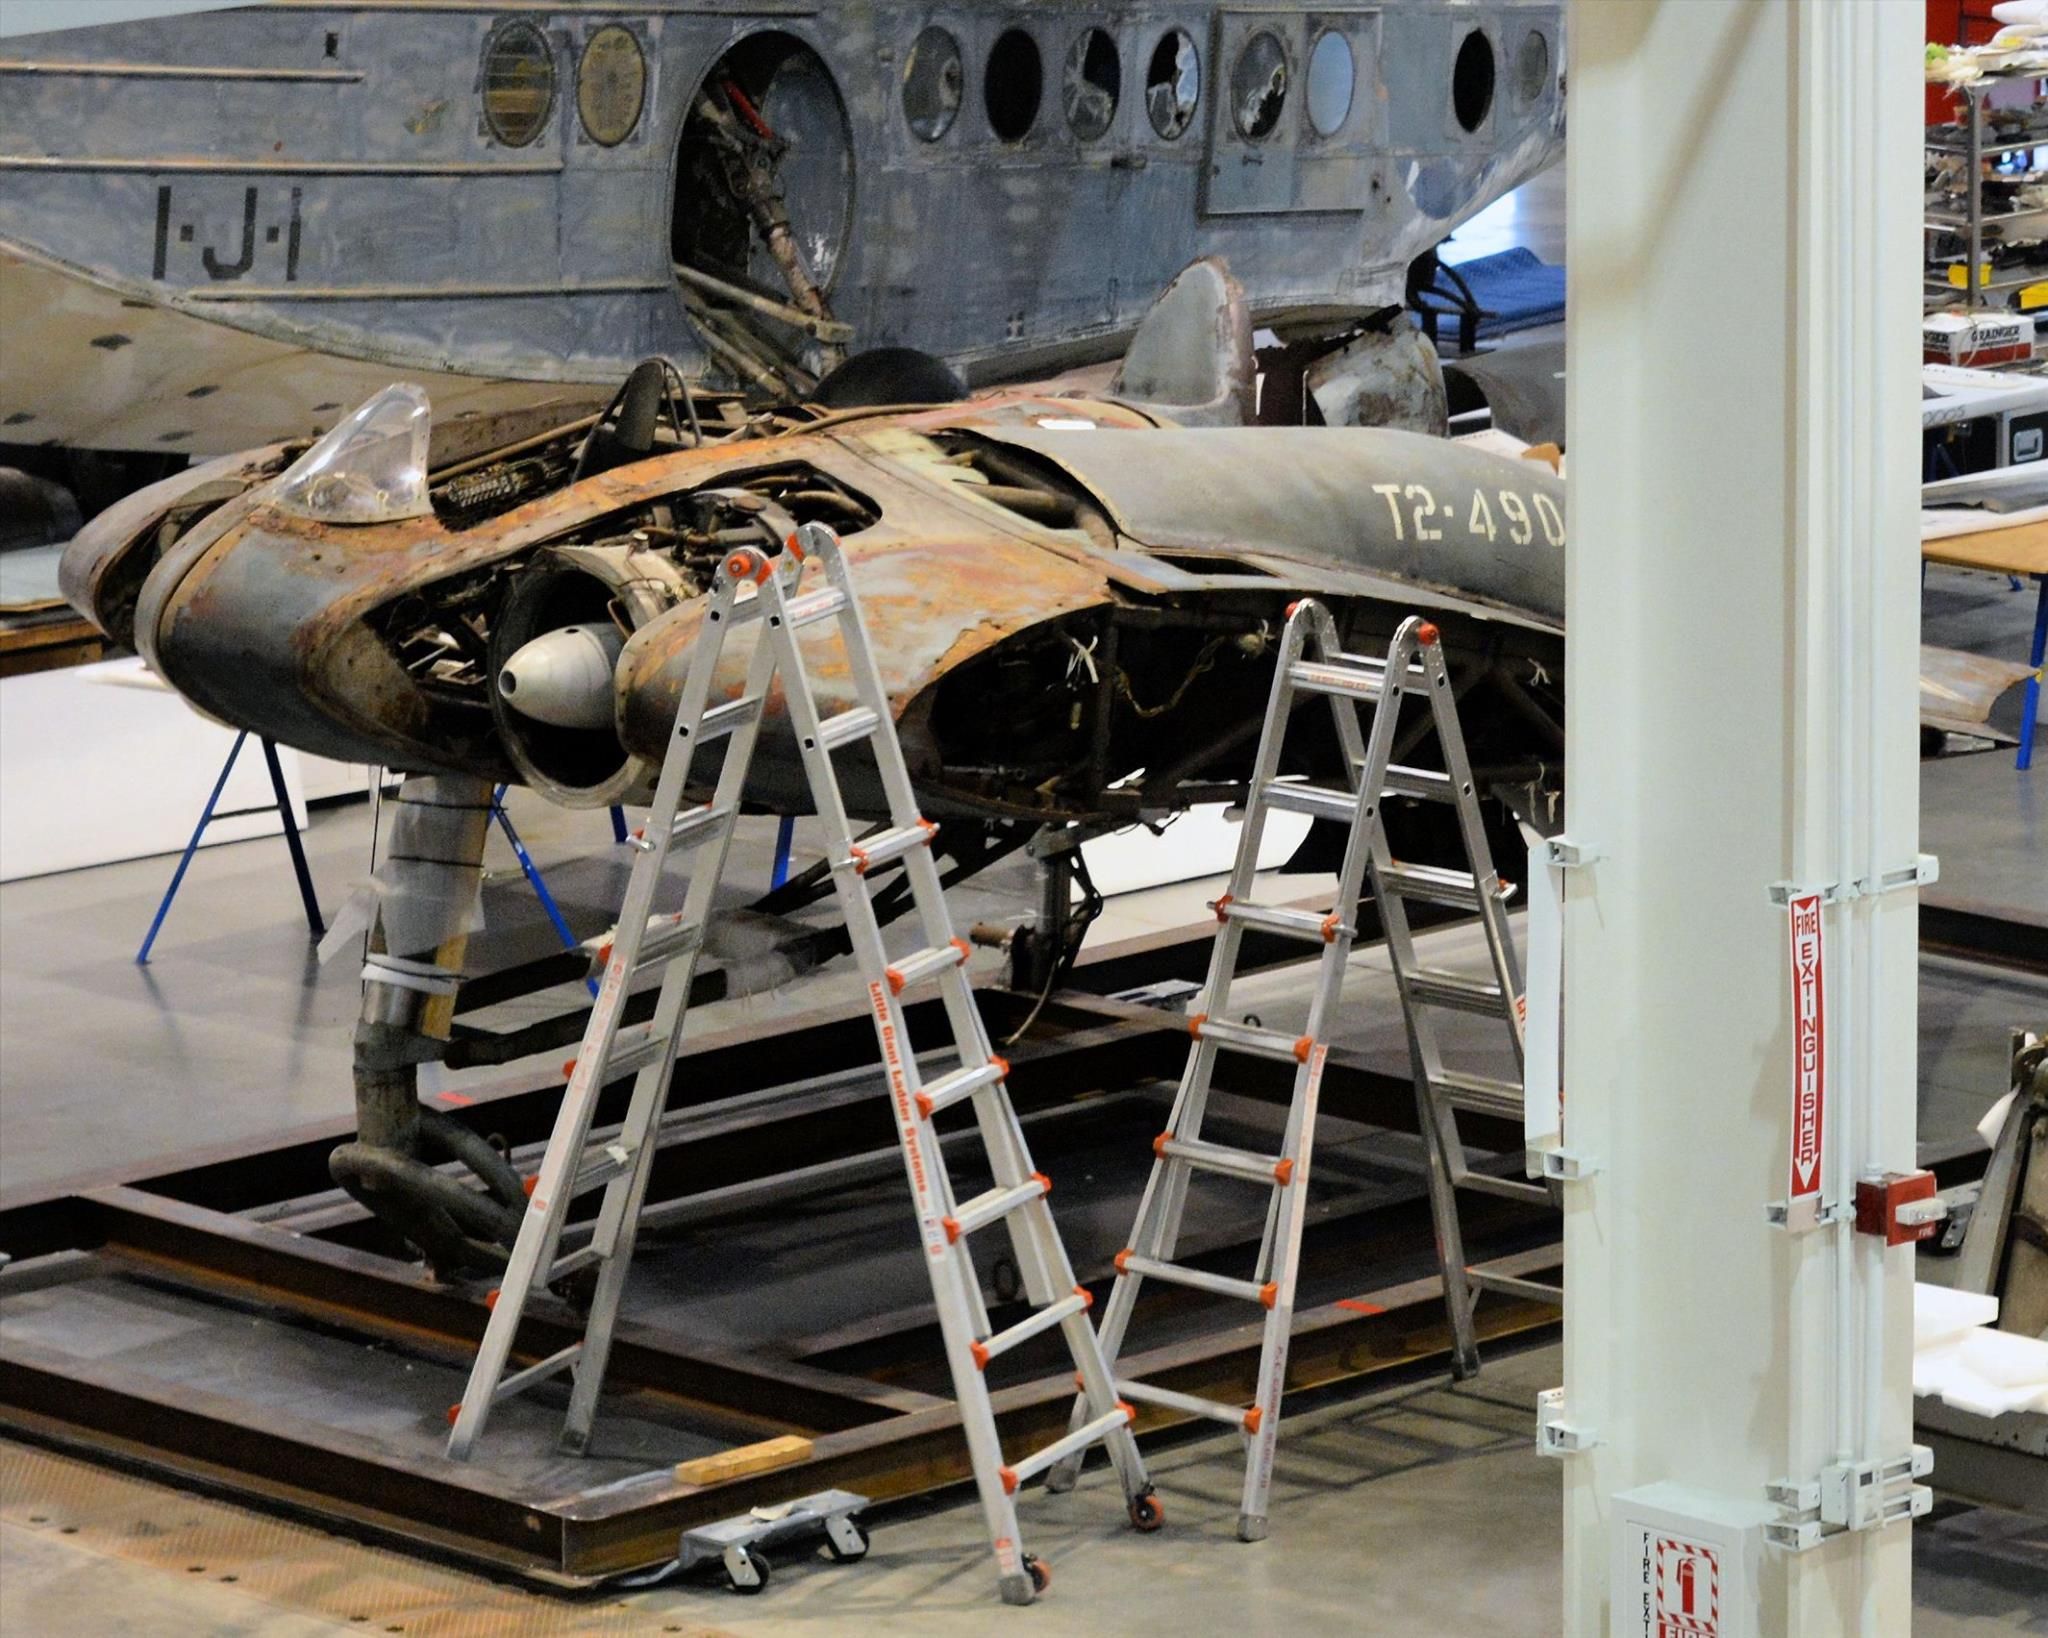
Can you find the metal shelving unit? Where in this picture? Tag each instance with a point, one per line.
(1974, 150)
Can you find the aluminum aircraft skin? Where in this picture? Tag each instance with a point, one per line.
(234, 225)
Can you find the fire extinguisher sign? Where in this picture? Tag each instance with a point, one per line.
(1809, 1052)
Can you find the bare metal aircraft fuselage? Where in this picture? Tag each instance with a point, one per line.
(222, 227)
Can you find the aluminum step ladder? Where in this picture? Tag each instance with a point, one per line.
(1427, 993)
(752, 588)
(1311, 662)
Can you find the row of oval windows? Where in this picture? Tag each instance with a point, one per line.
(611, 83)
(934, 83)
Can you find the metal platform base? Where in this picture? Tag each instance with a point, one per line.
(239, 1323)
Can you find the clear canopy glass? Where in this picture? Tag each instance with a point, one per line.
(372, 468)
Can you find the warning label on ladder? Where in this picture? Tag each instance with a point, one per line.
(1809, 1031)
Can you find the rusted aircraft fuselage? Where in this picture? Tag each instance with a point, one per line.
(1073, 605)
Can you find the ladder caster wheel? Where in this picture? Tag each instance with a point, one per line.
(1146, 1513)
(854, 1547)
(1041, 1576)
(746, 1571)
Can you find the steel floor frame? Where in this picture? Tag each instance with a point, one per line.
(267, 1230)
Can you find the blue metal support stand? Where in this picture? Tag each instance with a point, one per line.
(533, 876)
(618, 824)
(785, 835)
(314, 924)
(2030, 706)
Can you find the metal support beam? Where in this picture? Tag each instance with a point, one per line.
(1742, 598)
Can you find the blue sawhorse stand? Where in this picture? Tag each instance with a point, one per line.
(314, 924)
(536, 880)
(2031, 706)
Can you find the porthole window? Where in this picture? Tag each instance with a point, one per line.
(1173, 84)
(1472, 81)
(1093, 79)
(611, 85)
(1331, 77)
(1258, 86)
(1532, 68)
(519, 83)
(933, 84)
(1014, 82)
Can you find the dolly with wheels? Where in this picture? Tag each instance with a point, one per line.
(739, 1543)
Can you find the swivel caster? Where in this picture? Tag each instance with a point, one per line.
(1146, 1513)
(745, 1571)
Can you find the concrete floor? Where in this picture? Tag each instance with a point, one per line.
(1422, 1510)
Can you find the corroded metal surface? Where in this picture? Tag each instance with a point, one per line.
(1063, 589)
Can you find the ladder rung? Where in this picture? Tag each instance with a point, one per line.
(1129, 1262)
(586, 1257)
(721, 720)
(1513, 1285)
(1060, 1449)
(1217, 1157)
(1441, 989)
(994, 1204)
(890, 844)
(520, 1381)
(1348, 678)
(846, 727)
(1053, 1313)
(693, 825)
(950, 1088)
(1482, 1094)
(633, 1049)
(1310, 926)
(924, 963)
(812, 607)
(599, 1167)
(666, 938)
(1432, 884)
(1507, 1188)
(1266, 1043)
(1317, 801)
(1423, 782)
(1144, 1394)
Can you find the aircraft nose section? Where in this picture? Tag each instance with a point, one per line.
(564, 677)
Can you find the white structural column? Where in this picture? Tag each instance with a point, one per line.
(1744, 619)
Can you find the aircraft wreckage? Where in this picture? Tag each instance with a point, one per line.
(1074, 598)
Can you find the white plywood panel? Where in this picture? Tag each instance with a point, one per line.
(102, 762)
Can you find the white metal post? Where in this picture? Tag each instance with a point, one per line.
(1744, 616)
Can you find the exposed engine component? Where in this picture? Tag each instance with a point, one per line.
(564, 677)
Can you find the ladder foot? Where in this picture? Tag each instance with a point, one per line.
(1063, 1476)
(574, 1442)
(1464, 1364)
(1022, 1589)
(1251, 1527)
(1146, 1513)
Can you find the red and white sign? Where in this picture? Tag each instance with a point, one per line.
(1809, 1044)
(1688, 1596)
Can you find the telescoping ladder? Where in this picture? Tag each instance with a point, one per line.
(1311, 662)
(750, 587)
